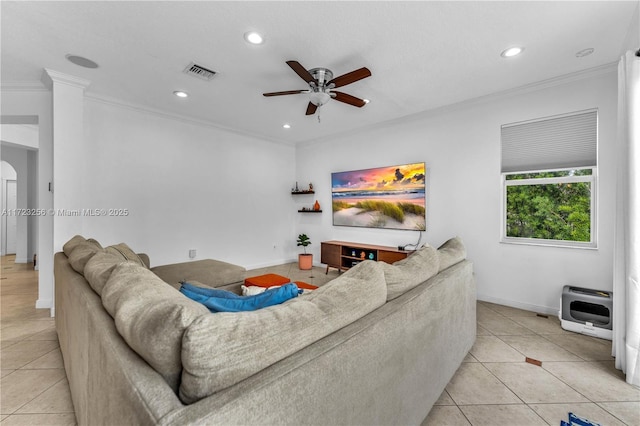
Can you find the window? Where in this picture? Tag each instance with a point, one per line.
(549, 171)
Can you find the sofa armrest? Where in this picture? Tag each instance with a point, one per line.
(212, 273)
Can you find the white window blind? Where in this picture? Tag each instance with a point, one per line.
(559, 142)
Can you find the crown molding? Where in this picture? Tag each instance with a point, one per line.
(492, 97)
(177, 117)
(41, 86)
(51, 76)
(33, 86)
(520, 90)
(23, 86)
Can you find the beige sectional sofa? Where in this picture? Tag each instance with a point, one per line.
(377, 345)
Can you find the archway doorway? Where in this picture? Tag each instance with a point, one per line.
(8, 206)
(19, 159)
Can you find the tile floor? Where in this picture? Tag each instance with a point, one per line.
(493, 386)
(33, 385)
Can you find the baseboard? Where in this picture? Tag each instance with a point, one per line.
(519, 305)
(280, 262)
(44, 304)
(269, 264)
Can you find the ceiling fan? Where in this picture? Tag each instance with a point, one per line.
(321, 84)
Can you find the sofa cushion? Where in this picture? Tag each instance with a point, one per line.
(145, 259)
(68, 247)
(407, 273)
(81, 254)
(212, 273)
(451, 252)
(151, 317)
(124, 252)
(219, 350)
(99, 268)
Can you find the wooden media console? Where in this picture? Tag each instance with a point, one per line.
(343, 255)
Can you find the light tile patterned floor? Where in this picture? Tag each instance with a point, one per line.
(33, 385)
(493, 386)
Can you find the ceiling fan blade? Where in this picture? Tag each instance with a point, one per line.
(350, 77)
(301, 71)
(348, 99)
(288, 92)
(311, 109)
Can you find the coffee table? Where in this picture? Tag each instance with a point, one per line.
(270, 280)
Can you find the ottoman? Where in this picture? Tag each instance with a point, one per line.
(269, 280)
(212, 273)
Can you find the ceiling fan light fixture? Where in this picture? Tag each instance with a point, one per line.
(253, 37)
(319, 98)
(366, 101)
(511, 52)
(321, 84)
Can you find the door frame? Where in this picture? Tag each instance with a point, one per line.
(5, 217)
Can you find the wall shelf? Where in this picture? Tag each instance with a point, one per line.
(302, 192)
(309, 211)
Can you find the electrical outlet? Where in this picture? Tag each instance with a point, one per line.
(192, 253)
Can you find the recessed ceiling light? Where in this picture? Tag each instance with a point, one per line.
(181, 94)
(254, 37)
(81, 61)
(286, 126)
(585, 52)
(512, 51)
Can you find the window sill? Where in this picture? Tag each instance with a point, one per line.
(549, 243)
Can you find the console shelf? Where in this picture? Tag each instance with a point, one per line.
(343, 255)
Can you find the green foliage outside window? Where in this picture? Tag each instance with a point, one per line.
(555, 211)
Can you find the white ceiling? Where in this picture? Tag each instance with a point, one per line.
(422, 55)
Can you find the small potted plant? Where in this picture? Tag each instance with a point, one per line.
(305, 260)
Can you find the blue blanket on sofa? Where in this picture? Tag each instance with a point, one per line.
(217, 300)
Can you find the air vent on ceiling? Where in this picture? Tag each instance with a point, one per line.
(199, 71)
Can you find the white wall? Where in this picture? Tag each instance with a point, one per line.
(632, 41)
(7, 172)
(25, 135)
(461, 148)
(68, 150)
(186, 185)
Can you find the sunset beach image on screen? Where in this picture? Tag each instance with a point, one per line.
(384, 197)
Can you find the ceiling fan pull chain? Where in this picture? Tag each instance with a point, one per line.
(318, 118)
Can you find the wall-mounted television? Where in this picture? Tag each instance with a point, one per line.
(390, 197)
